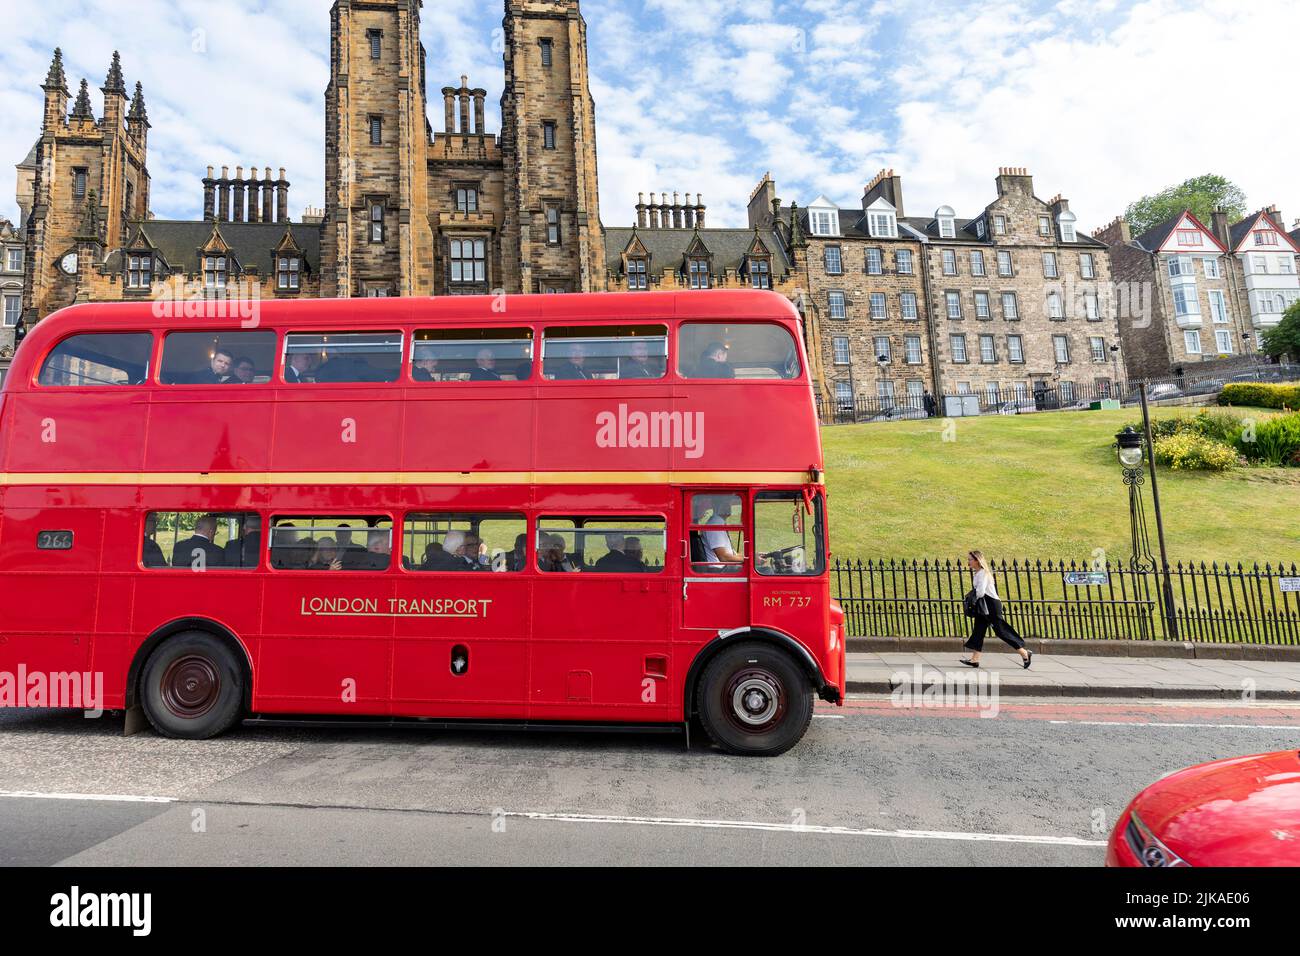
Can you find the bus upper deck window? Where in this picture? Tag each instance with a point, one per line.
(343, 357)
(610, 352)
(473, 355)
(721, 350)
(95, 359)
(217, 358)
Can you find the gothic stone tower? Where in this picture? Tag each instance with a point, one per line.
(552, 239)
(91, 179)
(377, 239)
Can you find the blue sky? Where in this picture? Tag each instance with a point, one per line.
(1103, 101)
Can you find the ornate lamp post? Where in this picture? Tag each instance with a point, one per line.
(1134, 447)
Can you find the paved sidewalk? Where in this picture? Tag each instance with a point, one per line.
(1072, 676)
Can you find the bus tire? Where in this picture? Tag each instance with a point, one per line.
(754, 700)
(192, 687)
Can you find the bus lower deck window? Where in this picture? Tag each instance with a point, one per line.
(202, 541)
(602, 545)
(788, 535)
(465, 542)
(717, 534)
(326, 543)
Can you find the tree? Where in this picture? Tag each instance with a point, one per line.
(1202, 195)
(1283, 338)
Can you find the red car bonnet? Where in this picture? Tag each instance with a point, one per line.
(1239, 812)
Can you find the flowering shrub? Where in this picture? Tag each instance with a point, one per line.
(1188, 451)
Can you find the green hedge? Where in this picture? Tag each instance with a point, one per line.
(1260, 395)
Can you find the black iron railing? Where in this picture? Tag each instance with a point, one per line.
(1212, 603)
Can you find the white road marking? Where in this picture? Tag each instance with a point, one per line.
(1144, 723)
(809, 828)
(101, 797)
(646, 821)
(828, 716)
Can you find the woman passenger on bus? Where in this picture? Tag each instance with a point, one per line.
(326, 556)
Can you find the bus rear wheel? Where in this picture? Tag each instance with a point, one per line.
(192, 687)
(754, 701)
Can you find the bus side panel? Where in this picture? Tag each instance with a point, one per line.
(60, 431)
(748, 430)
(326, 644)
(494, 421)
(333, 430)
(48, 596)
(485, 614)
(225, 430)
(591, 426)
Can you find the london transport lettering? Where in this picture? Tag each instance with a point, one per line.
(396, 607)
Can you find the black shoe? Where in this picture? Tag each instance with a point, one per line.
(968, 663)
(1028, 660)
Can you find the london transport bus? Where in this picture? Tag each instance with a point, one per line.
(594, 510)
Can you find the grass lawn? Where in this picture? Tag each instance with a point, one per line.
(1040, 486)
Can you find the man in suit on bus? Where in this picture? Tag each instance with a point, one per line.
(573, 369)
(713, 363)
(616, 560)
(486, 368)
(243, 552)
(153, 552)
(218, 372)
(379, 551)
(199, 551)
(425, 369)
(298, 369)
(638, 364)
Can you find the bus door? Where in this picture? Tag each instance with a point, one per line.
(790, 590)
(715, 579)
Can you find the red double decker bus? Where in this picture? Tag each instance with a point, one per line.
(533, 510)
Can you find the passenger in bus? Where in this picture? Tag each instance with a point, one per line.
(342, 367)
(199, 551)
(524, 371)
(218, 372)
(475, 553)
(435, 558)
(379, 551)
(638, 364)
(616, 560)
(153, 552)
(289, 551)
(425, 369)
(714, 548)
(573, 369)
(517, 559)
(245, 372)
(485, 368)
(713, 363)
(352, 554)
(243, 552)
(634, 555)
(325, 557)
(551, 556)
(298, 369)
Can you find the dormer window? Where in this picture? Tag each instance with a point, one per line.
(883, 225)
(214, 272)
(287, 272)
(1266, 238)
(698, 273)
(1066, 221)
(760, 273)
(823, 223)
(947, 220)
(638, 275)
(979, 228)
(139, 271)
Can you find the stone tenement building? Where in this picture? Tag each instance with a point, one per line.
(1214, 289)
(1011, 302)
(12, 258)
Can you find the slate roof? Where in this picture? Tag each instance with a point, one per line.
(30, 159)
(1241, 230)
(251, 244)
(853, 225)
(668, 246)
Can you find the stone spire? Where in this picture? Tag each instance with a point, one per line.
(81, 109)
(56, 79)
(114, 83)
(138, 112)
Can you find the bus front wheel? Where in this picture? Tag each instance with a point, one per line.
(192, 687)
(754, 701)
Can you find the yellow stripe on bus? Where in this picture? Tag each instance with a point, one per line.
(410, 478)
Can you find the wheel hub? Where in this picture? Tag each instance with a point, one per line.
(190, 687)
(755, 699)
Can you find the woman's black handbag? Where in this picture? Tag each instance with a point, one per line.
(973, 606)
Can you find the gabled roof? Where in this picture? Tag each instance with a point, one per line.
(1241, 230)
(30, 158)
(1154, 238)
(251, 244)
(821, 202)
(668, 247)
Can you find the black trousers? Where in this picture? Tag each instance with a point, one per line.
(1001, 628)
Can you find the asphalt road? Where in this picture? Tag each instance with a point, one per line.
(1038, 785)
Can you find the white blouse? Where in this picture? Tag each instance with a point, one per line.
(984, 586)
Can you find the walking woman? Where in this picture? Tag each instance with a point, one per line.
(988, 613)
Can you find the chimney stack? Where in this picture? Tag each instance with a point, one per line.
(699, 211)
(282, 198)
(887, 185)
(237, 192)
(223, 195)
(1219, 226)
(479, 117)
(268, 197)
(641, 219)
(209, 197)
(449, 105)
(254, 196)
(463, 96)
